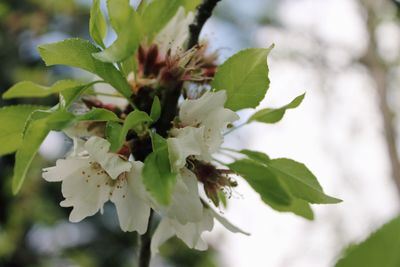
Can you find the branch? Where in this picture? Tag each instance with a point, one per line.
(145, 242)
(204, 11)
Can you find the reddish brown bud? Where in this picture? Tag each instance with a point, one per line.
(141, 55)
(152, 55)
(214, 180)
(124, 151)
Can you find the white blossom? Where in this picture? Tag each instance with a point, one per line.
(174, 35)
(190, 233)
(202, 123)
(185, 203)
(186, 142)
(94, 176)
(130, 199)
(199, 134)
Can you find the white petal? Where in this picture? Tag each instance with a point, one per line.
(64, 168)
(186, 205)
(227, 224)
(86, 190)
(163, 232)
(214, 126)
(136, 179)
(193, 112)
(133, 211)
(174, 35)
(98, 149)
(186, 142)
(190, 233)
(208, 111)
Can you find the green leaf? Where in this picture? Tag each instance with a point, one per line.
(97, 24)
(300, 181)
(13, 119)
(73, 52)
(30, 89)
(263, 181)
(34, 135)
(272, 115)
(77, 53)
(298, 207)
(127, 24)
(255, 155)
(141, 6)
(113, 133)
(157, 141)
(158, 177)
(157, 14)
(244, 76)
(98, 114)
(120, 12)
(36, 115)
(380, 249)
(190, 5)
(67, 97)
(155, 111)
(259, 173)
(134, 121)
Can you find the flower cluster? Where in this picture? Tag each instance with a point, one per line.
(91, 174)
(148, 131)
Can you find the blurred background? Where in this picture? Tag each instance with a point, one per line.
(344, 54)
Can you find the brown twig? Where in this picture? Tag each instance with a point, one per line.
(144, 243)
(204, 12)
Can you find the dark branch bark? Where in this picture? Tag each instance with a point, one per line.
(204, 12)
(145, 242)
(169, 97)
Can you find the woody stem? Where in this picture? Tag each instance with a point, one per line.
(144, 244)
(204, 12)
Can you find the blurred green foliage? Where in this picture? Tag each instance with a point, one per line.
(381, 248)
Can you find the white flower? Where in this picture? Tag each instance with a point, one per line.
(174, 35)
(203, 121)
(185, 203)
(190, 233)
(130, 199)
(187, 141)
(93, 177)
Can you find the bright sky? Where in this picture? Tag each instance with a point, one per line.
(336, 132)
